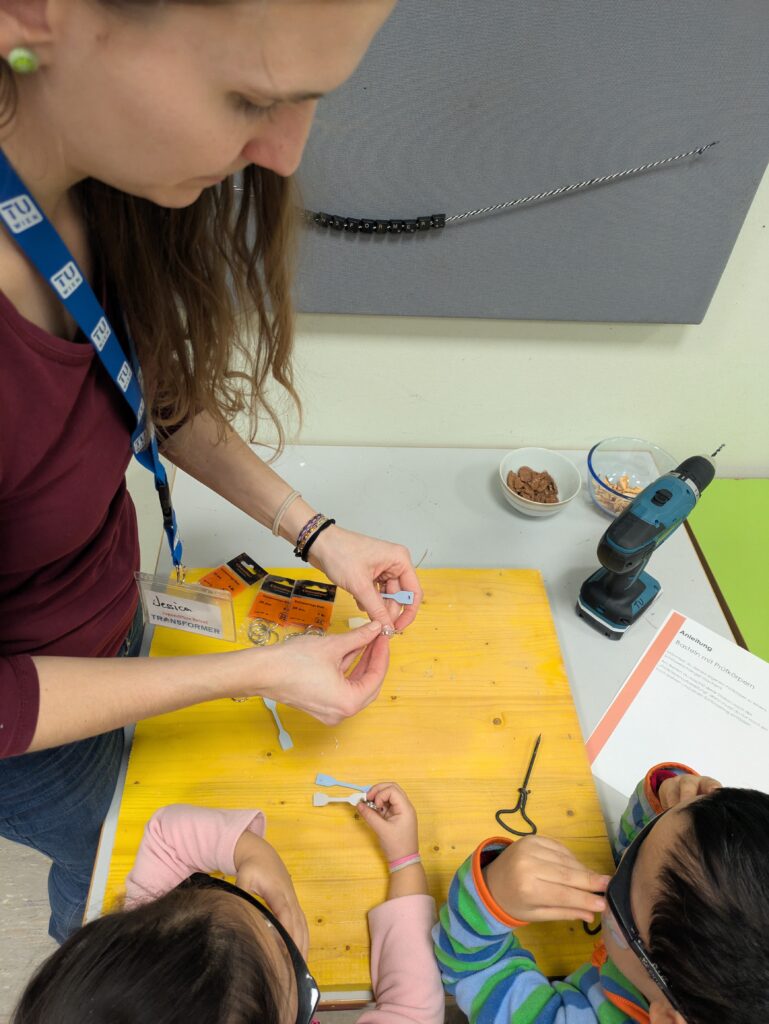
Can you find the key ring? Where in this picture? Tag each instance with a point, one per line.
(261, 633)
(309, 631)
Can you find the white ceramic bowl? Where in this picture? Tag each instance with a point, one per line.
(562, 470)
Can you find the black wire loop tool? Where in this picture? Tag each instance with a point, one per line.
(523, 795)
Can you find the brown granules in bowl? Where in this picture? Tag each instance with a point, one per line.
(528, 483)
(613, 503)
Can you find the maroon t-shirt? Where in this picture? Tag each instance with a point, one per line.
(68, 538)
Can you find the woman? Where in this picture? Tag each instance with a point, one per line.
(126, 120)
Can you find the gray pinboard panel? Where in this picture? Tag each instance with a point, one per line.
(465, 103)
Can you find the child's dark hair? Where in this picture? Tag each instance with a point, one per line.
(182, 959)
(709, 929)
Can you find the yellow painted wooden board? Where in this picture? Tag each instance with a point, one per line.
(470, 685)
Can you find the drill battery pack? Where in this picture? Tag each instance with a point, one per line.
(607, 603)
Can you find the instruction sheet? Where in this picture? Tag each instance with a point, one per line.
(693, 697)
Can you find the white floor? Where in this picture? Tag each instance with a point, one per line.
(24, 938)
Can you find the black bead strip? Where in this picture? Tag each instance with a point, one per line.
(369, 226)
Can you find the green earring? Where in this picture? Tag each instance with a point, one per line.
(23, 60)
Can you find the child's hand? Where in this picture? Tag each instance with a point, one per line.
(395, 820)
(538, 879)
(261, 871)
(682, 788)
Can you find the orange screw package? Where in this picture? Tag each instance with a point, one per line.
(312, 604)
(240, 572)
(273, 600)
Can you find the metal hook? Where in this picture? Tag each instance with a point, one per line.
(520, 806)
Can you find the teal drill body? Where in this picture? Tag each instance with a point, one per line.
(618, 593)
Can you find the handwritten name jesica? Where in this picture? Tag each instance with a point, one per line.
(171, 606)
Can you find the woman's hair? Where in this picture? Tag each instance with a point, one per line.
(186, 958)
(709, 929)
(205, 290)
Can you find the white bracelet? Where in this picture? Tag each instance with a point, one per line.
(282, 511)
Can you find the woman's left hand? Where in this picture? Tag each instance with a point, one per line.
(362, 565)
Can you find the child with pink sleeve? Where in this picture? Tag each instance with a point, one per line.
(189, 948)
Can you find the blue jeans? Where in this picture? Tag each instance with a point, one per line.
(56, 800)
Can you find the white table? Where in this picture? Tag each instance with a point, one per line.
(447, 502)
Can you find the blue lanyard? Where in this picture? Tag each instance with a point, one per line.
(41, 244)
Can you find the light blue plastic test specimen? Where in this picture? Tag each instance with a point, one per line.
(402, 597)
(329, 780)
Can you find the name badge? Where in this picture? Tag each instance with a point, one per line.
(187, 606)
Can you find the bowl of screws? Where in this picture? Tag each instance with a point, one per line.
(537, 481)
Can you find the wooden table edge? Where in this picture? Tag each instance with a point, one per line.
(714, 586)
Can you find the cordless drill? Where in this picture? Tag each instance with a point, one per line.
(618, 594)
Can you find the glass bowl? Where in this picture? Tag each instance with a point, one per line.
(619, 468)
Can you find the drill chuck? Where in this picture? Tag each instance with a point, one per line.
(697, 470)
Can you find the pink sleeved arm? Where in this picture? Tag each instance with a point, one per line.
(404, 973)
(181, 839)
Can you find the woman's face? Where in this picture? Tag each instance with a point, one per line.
(161, 101)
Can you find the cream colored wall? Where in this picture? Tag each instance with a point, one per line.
(494, 383)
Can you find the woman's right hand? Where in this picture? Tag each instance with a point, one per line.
(82, 697)
(310, 673)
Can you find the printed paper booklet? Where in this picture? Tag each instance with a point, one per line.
(693, 697)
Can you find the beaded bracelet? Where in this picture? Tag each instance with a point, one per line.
(404, 862)
(374, 225)
(305, 532)
(314, 536)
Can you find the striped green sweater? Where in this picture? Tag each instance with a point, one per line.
(495, 979)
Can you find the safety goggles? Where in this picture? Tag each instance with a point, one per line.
(620, 913)
(307, 991)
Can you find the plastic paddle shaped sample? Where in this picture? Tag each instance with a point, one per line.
(329, 780)
(286, 743)
(321, 799)
(402, 596)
